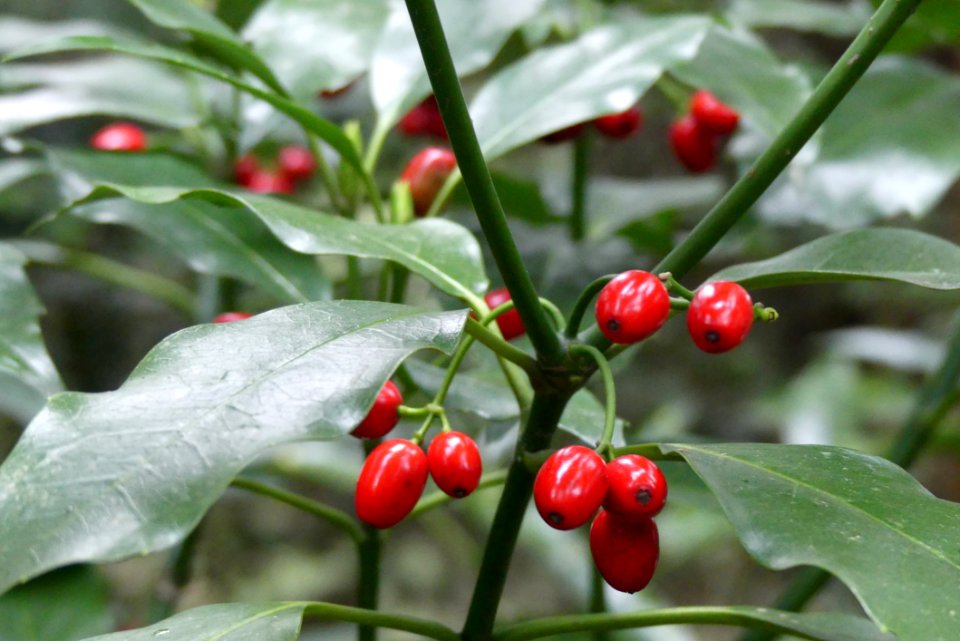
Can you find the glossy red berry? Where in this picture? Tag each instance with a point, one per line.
(712, 114)
(620, 125)
(632, 306)
(244, 168)
(510, 323)
(383, 416)
(424, 120)
(720, 316)
(694, 145)
(570, 487)
(230, 317)
(269, 182)
(454, 462)
(625, 552)
(296, 162)
(390, 483)
(567, 133)
(425, 174)
(637, 490)
(120, 136)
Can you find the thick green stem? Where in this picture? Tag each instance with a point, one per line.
(581, 172)
(375, 619)
(544, 416)
(368, 588)
(476, 177)
(748, 189)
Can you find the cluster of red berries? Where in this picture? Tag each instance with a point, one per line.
(617, 126)
(293, 164)
(575, 482)
(119, 136)
(394, 475)
(635, 304)
(696, 136)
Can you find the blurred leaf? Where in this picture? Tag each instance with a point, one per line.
(739, 68)
(236, 13)
(817, 16)
(100, 477)
(864, 172)
(25, 366)
(901, 255)
(16, 170)
(935, 22)
(605, 70)
(857, 516)
(66, 605)
(17, 32)
(904, 350)
(475, 31)
(211, 34)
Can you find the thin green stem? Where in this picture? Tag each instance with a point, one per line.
(673, 285)
(452, 369)
(583, 303)
(598, 601)
(440, 201)
(605, 446)
(327, 176)
(376, 619)
(330, 514)
(581, 173)
(370, 552)
(501, 347)
(476, 176)
(438, 498)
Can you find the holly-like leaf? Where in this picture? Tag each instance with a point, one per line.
(605, 70)
(901, 255)
(859, 517)
(99, 477)
(66, 605)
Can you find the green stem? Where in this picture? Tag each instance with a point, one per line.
(326, 175)
(437, 499)
(581, 171)
(605, 446)
(354, 278)
(440, 201)
(368, 587)
(476, 176)
(501, 347)
(400, 275)
(330, 514)
(376, 619)
(832, 89)
(598, 601)
(583, 302)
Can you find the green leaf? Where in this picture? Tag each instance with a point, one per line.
(211, 34)
(864, 172)
(16, 170)
(322, 127)
(16, 31)
(475, 31)
(859, 517)
(100, 477)
(900, 255)
(603, 71)
(829, 18)
(66, 605)
(25, 366)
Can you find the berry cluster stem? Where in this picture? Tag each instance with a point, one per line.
(605, 444)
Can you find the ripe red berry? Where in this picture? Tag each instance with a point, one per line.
(620, 125)
(390, 483)
(712, 114)
(229, 317)
(638, 488)
(454, 462)
(565, 134)
(244, 168)
(269, 182)
(632, 306)
(510, 323)
(383, 416)
(570, 487)
(120, 136)
(425, 174)
(296, 162)
(694, 145)
(424, 120)
(625, 552)
(720, 316)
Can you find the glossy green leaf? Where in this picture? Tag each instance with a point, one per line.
(100, 477)
(864, 172)
(859, 517)
(475, 31)
(322, 127)
(901, 255)
(26, 371)
(605, 70)
(211, 34)
(66, 605)
(818, 16)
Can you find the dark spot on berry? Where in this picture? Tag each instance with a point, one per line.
(459, 493)
(555, 518)
(643, 497)
(613, 325)
(712, 336)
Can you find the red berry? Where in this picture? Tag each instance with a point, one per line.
(454, 462)
(632, 306)
(120, 136)
(424, 120)
(570, 487)
(269, 182)
(425, 173)
(712, 114)
(509, 322)
(390, 483)
(296, 162)
(625, 552)
(620, 125)
(383, 416)
(638, 488)
(229, 317)
(565, 134)
(694, 145)
(720, 316)
(244, 168)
